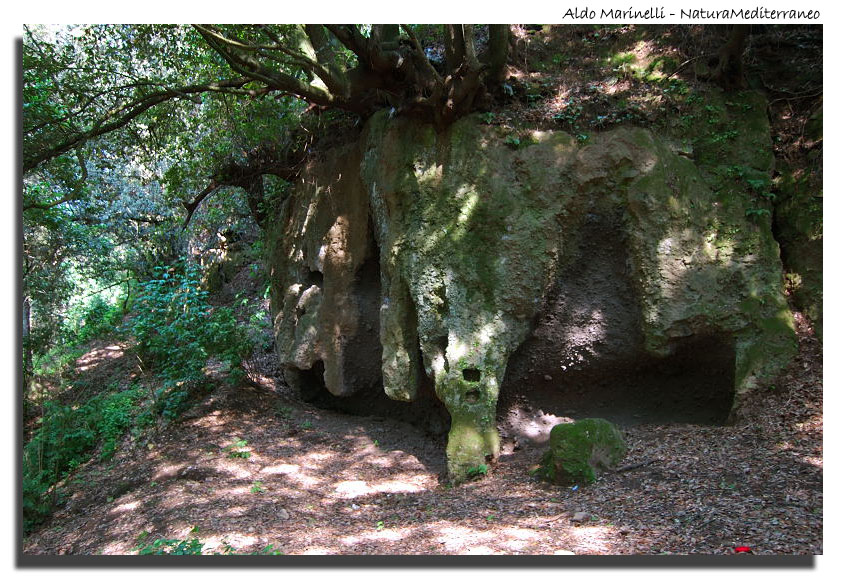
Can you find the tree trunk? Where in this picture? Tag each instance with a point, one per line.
(454, 46)
(25, 342)
(499, 41)
(729, 72)
(255, 193)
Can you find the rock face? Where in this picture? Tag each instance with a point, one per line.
(579, 449)
(415, 262)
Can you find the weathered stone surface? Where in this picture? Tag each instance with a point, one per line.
(414, 259)
(579, 449)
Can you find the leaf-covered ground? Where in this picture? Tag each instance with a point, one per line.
(251, 466)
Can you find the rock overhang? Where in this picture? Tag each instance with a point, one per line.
(472, 237)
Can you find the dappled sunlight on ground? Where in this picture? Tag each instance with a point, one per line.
(125, 507)
(308, 481)
(98, 355)
(402, 484)
(590, 539)
(281, 469)
(383, 535)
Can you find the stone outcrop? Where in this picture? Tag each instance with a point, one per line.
(413, 260)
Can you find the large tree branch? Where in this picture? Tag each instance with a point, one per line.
(420, 56)
(246, 63)
(191, 206)
(454, 46)
(324, 53)
(73, 195)
(286, 166)
(83, 107)
(351, 38)
(122, 115)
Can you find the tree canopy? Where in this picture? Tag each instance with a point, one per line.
(128, 129)
(85, 82)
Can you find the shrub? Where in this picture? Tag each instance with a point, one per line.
(178, 331)
(99, 318)
(68, 437)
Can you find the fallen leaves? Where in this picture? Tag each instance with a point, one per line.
(330, 489)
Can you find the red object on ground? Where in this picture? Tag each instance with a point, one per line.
(744, 550)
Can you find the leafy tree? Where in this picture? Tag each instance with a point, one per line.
(87, 82)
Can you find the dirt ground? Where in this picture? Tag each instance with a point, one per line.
(251, 466)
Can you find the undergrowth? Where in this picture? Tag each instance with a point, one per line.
(192, 546)
(177, 332)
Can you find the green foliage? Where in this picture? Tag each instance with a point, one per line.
(57, 359)
(570, 115)
(513, 141)
(757, 213)
(477, 471)
(257, 327)
(68, 437)
(622, 60)
(191, 546)
(722, 137)
(233, 450)
(172, 315)
(98, 318)
(676, 86)
(283, 411)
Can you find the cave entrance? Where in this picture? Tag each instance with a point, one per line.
(362, 364)
(586, 357)
(694, 385)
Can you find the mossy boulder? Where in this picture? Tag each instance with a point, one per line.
(578, 450)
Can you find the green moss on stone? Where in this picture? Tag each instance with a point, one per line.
(469, 445)
(579, 449)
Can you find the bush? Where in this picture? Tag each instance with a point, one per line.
(178, 331)
(66, 438)
(99, 318)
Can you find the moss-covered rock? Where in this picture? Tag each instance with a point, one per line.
(580, 449)
(798, 225)
(467, 235)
